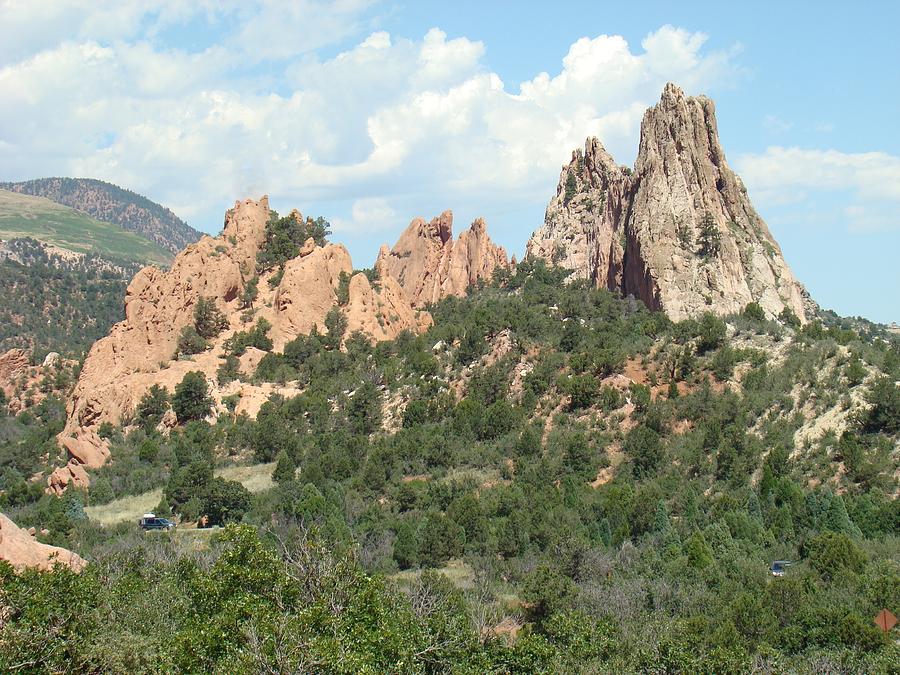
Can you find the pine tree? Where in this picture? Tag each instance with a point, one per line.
(208, 319)
(191, 400)
(661, 522)
(251, 292)
(571, 188)
(406, 546)
(709, 237)
(753, 507)
(285, 468)
(605, 533)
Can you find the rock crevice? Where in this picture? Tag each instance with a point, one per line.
(141, 350)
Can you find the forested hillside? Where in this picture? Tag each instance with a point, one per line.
(110, 203)
(551, 479)
(57, 302)
(64, 271)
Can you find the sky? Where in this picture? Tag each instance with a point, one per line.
(373, 112)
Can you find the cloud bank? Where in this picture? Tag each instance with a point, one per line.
(870, 182)
(385, 128)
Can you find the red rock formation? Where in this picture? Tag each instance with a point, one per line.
(384, 310)
(139, 351)
(13, 363)
(21, 550)
(430, 265)
(308, 290)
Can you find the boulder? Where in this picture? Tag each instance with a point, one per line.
(20, 549)
(72, 473)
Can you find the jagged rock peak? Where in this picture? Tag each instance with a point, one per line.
(429, 264)
(141, 350)
(679, 232)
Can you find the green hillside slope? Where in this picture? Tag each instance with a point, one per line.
(552, 479)
(112, 204)
(39, 218)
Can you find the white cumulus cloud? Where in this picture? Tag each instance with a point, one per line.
(383, 130)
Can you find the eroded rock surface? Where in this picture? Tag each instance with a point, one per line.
(13, 364)
(429, 264)
(642, 232)
(140, 351)
(382, 310)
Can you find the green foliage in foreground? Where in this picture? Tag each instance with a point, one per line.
(253, 607)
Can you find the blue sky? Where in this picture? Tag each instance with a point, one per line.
(371, 113)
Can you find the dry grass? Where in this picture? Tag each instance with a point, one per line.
(459, 573)
(131, 507)
(255, 478)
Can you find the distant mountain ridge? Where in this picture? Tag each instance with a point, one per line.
(64, 274)
(27, 216)
(113, 204)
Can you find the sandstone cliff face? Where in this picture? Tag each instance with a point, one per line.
(430, 265)
(21, 550)
(139, 351)
(13, 364)
(641, 233)
(384, 310)
(121, 366)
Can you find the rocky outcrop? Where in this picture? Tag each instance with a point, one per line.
(140, 351)
(73, 473)
(430, 265)
(308, 290)
(679, 232)
(21, 550)
(382, 310)
(121, 366)
(13, 364)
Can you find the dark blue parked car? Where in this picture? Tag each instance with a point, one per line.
(151, 522)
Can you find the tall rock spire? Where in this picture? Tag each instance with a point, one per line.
(679, 232)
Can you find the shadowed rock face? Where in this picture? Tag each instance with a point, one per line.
(430, 265)
(641, 232)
